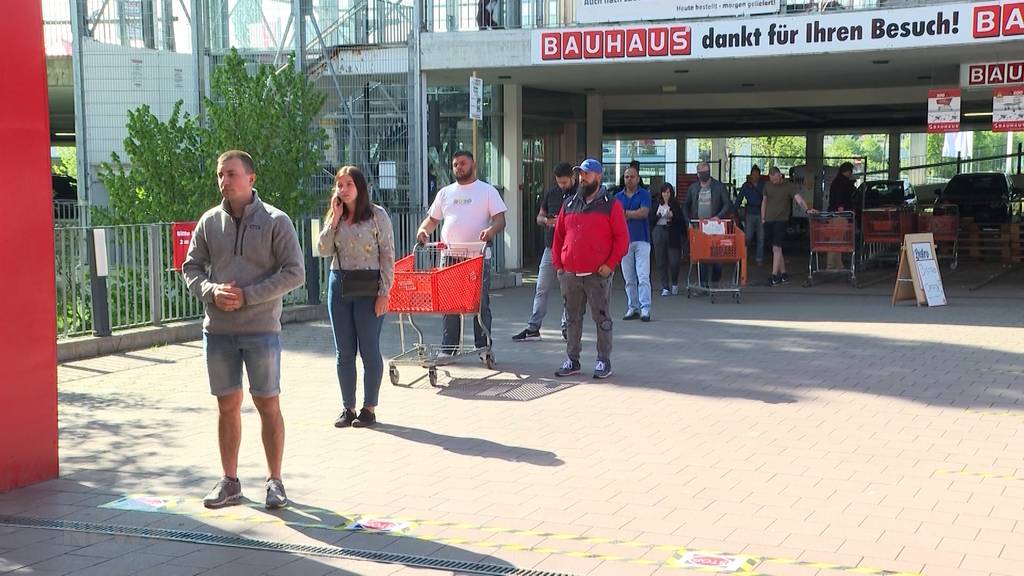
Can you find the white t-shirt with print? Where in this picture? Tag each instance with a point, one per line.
(466, 210)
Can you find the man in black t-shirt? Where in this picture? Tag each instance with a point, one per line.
(546, 277)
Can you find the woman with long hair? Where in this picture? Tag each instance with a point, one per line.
(668, 227)
(359, 237)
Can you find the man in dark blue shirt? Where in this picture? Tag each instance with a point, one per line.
(750, 196)
(636, 266)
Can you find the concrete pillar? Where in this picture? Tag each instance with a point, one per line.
(719, 155)
(815, 152)
(894, 154)
(595, 125)
(917, 156)
(28, 339)
(512, 173)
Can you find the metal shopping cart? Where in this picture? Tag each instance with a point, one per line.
(438, 279)
(944, 224)
(882, 231)
(716, 242)
(832, 233)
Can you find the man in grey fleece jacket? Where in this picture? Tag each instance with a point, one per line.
(243, 258)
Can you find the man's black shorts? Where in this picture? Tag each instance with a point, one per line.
(775, 232)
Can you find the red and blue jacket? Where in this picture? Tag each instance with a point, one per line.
(588, 235)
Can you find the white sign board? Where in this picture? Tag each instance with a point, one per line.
(940, 25)
(1008, 109)
(476, 98)
(387, 175)
(593, 11)
(928, 273)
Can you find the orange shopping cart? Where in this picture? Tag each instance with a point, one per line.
(832, 233)
(438, 279)
(882, 231)
(716, 242)
(944, 224)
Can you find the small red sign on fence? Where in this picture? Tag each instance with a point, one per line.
(181, 237)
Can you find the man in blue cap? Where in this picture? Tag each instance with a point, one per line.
(590, 240)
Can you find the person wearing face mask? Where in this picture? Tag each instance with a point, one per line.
(707, 198)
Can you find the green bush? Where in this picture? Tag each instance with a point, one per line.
(170, 170)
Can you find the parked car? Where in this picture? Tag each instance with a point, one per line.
(65, 198)
(987, 197)
(885, 194)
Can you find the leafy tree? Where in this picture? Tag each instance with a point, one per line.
(67, 164)
(169, 172)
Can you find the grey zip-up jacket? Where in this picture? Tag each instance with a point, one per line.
(260, 253)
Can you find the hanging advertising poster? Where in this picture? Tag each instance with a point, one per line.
(944, 110)
(1008, 109)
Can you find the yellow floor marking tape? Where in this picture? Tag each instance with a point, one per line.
(317, 518)
(987, 475)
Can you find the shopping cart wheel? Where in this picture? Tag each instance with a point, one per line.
(489, 361)
(432, 376)
(393, 374)
(689, 293)
(712, 296)
(953, 265)
(736, 297)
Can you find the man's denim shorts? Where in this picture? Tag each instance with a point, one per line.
(260, 353)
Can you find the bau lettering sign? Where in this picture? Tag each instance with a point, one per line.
(991, 74)
(921, 27)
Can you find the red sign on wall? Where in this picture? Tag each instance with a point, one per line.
(615, 43)
(993, 74)
(181, 237)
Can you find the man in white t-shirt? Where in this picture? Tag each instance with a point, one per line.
(472, 211)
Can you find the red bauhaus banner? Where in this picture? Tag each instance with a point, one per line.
(1008, 109)
(944, 110)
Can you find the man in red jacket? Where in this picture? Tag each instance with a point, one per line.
(590, 239)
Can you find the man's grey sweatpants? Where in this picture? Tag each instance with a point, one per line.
(579, 292)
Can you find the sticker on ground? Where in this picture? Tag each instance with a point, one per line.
(142, 503)
(709, 562)
(380, 525)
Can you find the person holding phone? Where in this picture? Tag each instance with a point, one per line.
(359, 236)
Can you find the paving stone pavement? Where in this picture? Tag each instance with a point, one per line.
(814, 431)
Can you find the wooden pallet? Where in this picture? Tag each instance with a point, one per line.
(1000, 243)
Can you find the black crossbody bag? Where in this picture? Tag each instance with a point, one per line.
(360, 283)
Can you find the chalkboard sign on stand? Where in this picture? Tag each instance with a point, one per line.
(918, 277)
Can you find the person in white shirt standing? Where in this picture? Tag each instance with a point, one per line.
(472, 211)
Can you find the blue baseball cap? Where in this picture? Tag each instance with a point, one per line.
(590, 165)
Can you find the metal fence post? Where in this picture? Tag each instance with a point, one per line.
(96, 250)
(155, 276)
(312, 262)
(1020, 155)
(959, 163)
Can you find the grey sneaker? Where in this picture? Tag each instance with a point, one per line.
(276, 498)
(569, 368)
(602, 369)
(227, 492)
